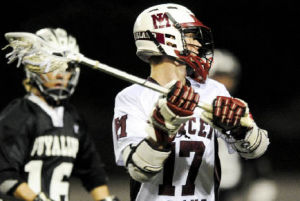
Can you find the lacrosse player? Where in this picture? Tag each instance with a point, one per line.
(43, 139)
(226, 69)
(167, 143)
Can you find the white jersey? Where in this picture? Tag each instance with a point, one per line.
(189, 173)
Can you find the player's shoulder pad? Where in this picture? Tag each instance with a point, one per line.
(131, 90)
(215, 83)
(130, 94)
(217, 86)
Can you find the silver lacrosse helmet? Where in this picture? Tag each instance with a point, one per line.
(63, 44)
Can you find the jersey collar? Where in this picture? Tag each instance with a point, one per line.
(56, 113)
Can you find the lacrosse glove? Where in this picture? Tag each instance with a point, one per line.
(172, 111)
(232, 117)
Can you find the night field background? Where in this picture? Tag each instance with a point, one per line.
(264, 35)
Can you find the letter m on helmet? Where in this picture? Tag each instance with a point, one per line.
(160, 20)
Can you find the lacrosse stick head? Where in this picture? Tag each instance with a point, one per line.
(46, 58)
(45, 51)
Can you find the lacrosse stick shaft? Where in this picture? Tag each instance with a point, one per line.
(123, 75)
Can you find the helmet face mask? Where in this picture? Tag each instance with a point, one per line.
(56, 87)
(163, 30)
(198, 56)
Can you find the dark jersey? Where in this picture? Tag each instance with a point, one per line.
(43, 155)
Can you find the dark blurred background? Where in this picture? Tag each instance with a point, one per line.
(262, 34)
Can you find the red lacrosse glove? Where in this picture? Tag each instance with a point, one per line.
(227, 115)
(182, 100)
(172, 111)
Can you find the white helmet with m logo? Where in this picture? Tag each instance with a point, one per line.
(160, 30)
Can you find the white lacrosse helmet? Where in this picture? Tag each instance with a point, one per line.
(160, 30)
(58, 39)
(60, 44)
(225, 63)
(226, 69)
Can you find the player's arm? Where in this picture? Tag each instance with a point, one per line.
(24, 192)
(147, 158)
(101, 193)
(232, 117)
(13, 150)
(14, 145)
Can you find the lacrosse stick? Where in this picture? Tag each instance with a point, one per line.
(34, 54)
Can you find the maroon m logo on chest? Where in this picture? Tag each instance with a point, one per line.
(160, 20)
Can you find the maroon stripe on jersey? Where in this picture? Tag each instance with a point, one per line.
(217, 172)
(135, 187)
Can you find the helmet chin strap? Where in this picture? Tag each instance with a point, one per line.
(160, 48)
(189, 70)
(55, 103)
(51, 100)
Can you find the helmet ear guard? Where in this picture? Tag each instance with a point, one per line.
(160, 30)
